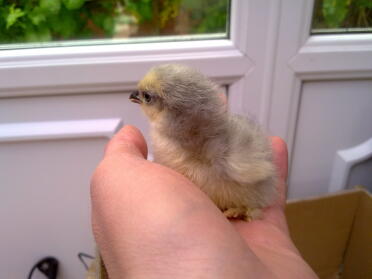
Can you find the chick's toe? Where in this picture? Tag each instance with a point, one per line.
(243, 213)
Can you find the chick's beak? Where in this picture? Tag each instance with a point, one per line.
(134, 97)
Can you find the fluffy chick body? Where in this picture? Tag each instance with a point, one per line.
(221, 167)
(226, 155)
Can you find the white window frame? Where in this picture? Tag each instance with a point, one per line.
(117, 68)
(105, 68)
(302, 57)
(113, 67)
(269, 55)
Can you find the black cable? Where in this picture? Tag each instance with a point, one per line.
(48, 266)
(32, 271)
(81, 256)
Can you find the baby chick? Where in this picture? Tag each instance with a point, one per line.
(226, 155)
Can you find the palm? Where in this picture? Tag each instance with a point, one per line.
(143, 211)
(269, 237)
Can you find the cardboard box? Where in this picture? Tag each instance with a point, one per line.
(334, 233)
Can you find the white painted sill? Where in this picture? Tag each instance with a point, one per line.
(56, 130)
(334, 57)
(111, 68)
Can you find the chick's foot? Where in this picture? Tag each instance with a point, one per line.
(243, 213)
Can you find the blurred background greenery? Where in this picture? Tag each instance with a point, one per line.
(53, 20)
(344, 15)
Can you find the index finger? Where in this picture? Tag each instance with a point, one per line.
(280, 154)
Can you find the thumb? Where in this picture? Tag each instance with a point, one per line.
(129, 141)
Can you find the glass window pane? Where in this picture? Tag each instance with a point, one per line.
(40, 21)
(342, 16)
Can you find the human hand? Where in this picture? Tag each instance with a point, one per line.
(151, 222)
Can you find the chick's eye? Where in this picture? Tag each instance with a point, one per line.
(147, 97)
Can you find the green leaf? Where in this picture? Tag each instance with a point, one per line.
(68, 28)
(192, 5)
(334, 12)
(37, 16)
(98, 19)
(50, 6)
(141, 9)
(65, 25)
(73, 4)
(109, 25)
(14, 14)
(31, 36)
(42, 34)
(45, 35)
(364, 3)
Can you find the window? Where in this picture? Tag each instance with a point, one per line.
(342, 16)
(95, 21)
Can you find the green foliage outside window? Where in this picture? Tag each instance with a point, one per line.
(53, 20)
(47, 20)
(342, 14)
